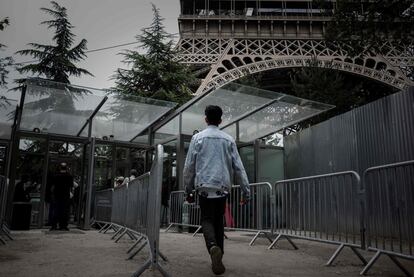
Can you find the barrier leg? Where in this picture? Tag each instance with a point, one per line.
(142, 269)
(136, 252)
(254, 238)
(121, 236)
(135, 244)
(356, 252)
(370, 263)
(163, 256)
(2, 240)
(117, 233)
(225, 236)
(6, 232)
(195, 233)
(105, 225)
(400, 266)
(278, 238)
(336, 254)
(109, 227)
(161, 270)
(131, 235)
(169, 227)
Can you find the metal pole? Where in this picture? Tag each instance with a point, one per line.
(91, 166)
(44, 184)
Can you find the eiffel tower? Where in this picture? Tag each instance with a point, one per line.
(231, 39)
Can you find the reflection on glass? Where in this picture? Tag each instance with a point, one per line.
(261, 111)
(234, 99)
(29, 172)
(57, 108)
(247, 158)
(231, 130)
(103, 166)
(275, 117)
(3, 151)
(169, 130)
(125, 116)
(271, 166)
(7, 113)
(64, 109)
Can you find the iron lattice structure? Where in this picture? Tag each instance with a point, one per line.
(229, 59)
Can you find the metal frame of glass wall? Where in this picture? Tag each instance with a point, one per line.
(86, 120)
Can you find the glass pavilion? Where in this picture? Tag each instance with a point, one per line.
(103, 134)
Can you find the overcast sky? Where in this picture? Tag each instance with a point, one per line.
(102, 22)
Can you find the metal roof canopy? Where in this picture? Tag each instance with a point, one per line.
(248, 113)
(64, 109)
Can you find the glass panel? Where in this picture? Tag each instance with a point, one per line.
(57, 108)
(125, 116)
(247, 157)
(270, 165)
(103, 166)
(169, 130)
(234, 99)
(231, 130)
(128, 159)
(71, 154)
(289, 110)
(3, 152)
(63, 109)
(7, 112)
(28, 184)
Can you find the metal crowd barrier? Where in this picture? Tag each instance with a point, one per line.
(135, 211)
(4, 230)
(103, 206)
(324, 208)
(253, 217)
(389, 222)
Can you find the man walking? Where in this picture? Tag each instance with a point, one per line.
(61, 187)
(212, 163)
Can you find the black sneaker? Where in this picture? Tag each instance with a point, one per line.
(216, 264)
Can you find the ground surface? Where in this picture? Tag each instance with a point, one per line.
(39, 253)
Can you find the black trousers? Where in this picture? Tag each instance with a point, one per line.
(60, 213)
(212, 221)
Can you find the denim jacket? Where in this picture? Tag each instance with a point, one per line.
(213, 163)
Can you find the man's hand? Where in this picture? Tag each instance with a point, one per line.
(244, 201)
(190, 198)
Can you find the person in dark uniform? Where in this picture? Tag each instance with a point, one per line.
(60, 198)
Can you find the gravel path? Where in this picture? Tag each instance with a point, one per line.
(39, 253)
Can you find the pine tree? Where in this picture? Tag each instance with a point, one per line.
(5, 62)
(154, 74)
(56, 62)
(367, 26)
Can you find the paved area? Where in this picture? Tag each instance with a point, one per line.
(39, 253)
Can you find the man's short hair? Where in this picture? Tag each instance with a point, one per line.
(134, 172)
(213, 114)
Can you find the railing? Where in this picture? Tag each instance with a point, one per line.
(4, 230)
(135, 211)
(323, 208)
(253, 217)
(389, 216)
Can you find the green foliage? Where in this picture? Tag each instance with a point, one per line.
(56, 62)
(327, 85)
(360, 27)
(155, 74)
(5, 62)
(3, 23)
